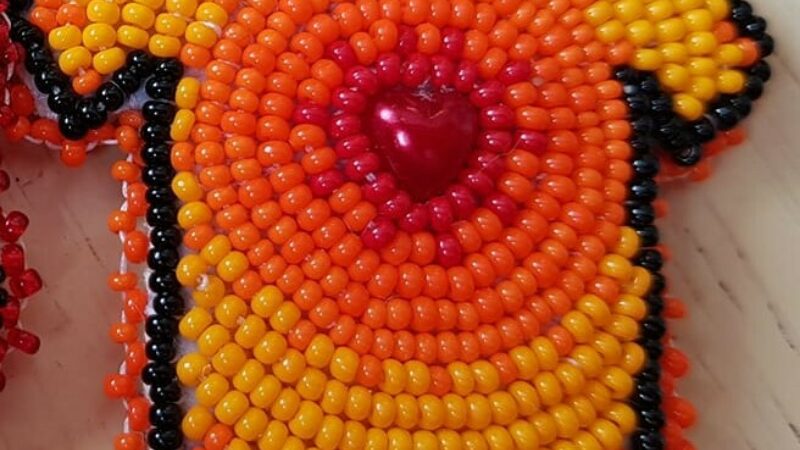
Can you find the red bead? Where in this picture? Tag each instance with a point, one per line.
(352, 146)
(440, 213)
(120, 386)
(406, 40)
(349, 101)
(448, 250)
(495, 141)
(12, 258)
(415, 220)
(675, 362)
(379, 189)
(515, 72)
(462, 201)
(466, 76)
(342, 54)
(497, 117)
(10, 313)
(313, 114)
(443, 71)
(487, 94)
(23, 340)
(502, 206)
(415, 70)
(531, 141)
(14, 226)
(323, 184)
(361, 166)
(388, 69)
(452, 42)
(397, 206)
(363, 79)
(378, 233)
(344, 125)
(26, 284)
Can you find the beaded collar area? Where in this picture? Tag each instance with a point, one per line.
(389, 224)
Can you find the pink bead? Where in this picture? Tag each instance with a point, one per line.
(363, 79)
(415, 70)
(448, 250)
(462, 200)
(23, 340)
(497, 117)
(311, 114)
(348, 100)
(388, 68)
(495, 141)
(487, 94)
(406, 40)
(13, 259)
(466, 76)
(515, 72)
(380, 189)
(502, 206)
(352, 146)
(441, 213)
(397, 206)
(344, 125)
(532, 141)
(452, 42)
(491, 164)
(443, 71)
(477, 181)
(415, 220)
(361, 166)
(341, 53)
(323, 184)
(378, 233)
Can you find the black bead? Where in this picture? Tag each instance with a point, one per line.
(161, 88)
(163, 258)
(158, 111)
(742, 104)
(3, 298)
(651, 371)
(128, 81)
(640, 214)
(161, 327)
(169, 68)
(165, 415)
(154, 132)
(688, 156)
(761, 70)
(165, 236)
(158, 374)
(160, 351)
(62, 100)
(661, 105)
(654, 349)
(755, 28)
(169, 392)
(158, 175)
(37, 59)
(766, 45)
(92, 113)
(27, 34)
(643, 189)
(2, 274)
(155, 154)
(164, 439)
(643, 125)
(703, 130)
(673, 134)
(646, 165)
(163, 282)
(168, 304)
(651, 419)
(626, 75)
(653, 327)
(72, 126)
(650, 85)
(742, 12)
(650, 259)
(657, 284)
(754, 87)
(16, 6)
(638, 104)
(160, 195)
(46, 79)
(112, 95)
(140, 62)
(647, 440)
(649, 235)
(725, 116)
(646, 395)
(162, 215)
(641, 144)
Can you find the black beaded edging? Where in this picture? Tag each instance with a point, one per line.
(162, 258)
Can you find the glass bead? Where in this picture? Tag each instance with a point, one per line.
(190, 368)
(231, 407)
(211, 390)
(285, 406)
(270, 348)
(132, 37)
(688, 106)
(383, 410)
(407, 411)
(194, 323)
(524, 434)
(211, 12)
(419, 378)
(285, 317)
(182, 125)
(479, 412)
(330, 433)
(193, 214)
(395, 377)
(251, 425)
(486, 377)
(290, 367)
(307, 421)
(265, 392)
(344, 364)
(100, 36)
(171, 25)
(200, 34)
(64, 37)
(334, 397)
(138, 15)
(212, 339)
(250, 331)
(229, 359)
(311, 384)
(187, 93)
(455, 411)
(75, 59)
(249, 376)
(196, 423)
(190, 270)
(730, 81)
(504, 407)
(185, 8)
(210, 293)
(164, 46)
(232, 266)
(102, 11)
(155, 5)
(274, 437)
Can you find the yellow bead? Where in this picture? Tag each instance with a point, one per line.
(598, 394)
(622, 415)
(545, 427)
(398, 439)
(670, 30)
(730, 81)
(546, 352)
(274, 437)
(525, 396)
(639, 283)
(674, 52)
(524, 435)
(307, 421)
(266, 301)
(265, 392)
(607, 433)
(211, 12)
(570, 377)
(107, 61)
(504, 407)
(194, 323)
(190, 270)
(431, 412)
(285, 406)
(419, 377)
(688, 106)
(344, 364)
(623, 327)
(701, 43)
(564, 445)
(72, 60)
(311, 384)
(595, 309)
(99, 36)
(455, 411)
(164, 46)
(407, 415)
(647, 59)
(270, 348)
(231, 407)
(706, 67)
(251, 425)
(728, 55)
(628, 10)
(719, 9)
(334, 397)
(232, 266)
(583, 409)
(132, 37)
(186, 187)
(395, 377)
(229, 359)
(618, 381)
(702, 88)
(588, 360)
(355, 436)
(631, 306)
(615, 266)
(598, 13)
(187, 93)
(171, 25)
(190, 368)
(250, 331)
(498, 438)
(359, 403)
(674, 77)
(629, 243)
(211, 390)
(294, 443)
(659, 10)
(139, 15)
(566, 420)
(383, 410)
(212, 339)
(196, 422)
(608, 346)
(237, 444)
(155, 5)
(182, 125)
(487, 378)
(479, 412)
(210, 293)
(548, 388)
(194, 213)
(698, 20)
(449, 440)
(473, 440)
(249, 376)
(610, 32)
(461, 374)
(525, 361)
(64, 37)
(330, 433)
(641, 32)
(290, 367)
(319, 352)
(633, 358)
(102, 11)
(185, 8)
(217, 248)
(200, 34)
(687, 5)
(424, 440)
(285, 317)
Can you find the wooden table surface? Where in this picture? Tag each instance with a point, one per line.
(735, 240)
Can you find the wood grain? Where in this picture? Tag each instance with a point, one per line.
(735, 241)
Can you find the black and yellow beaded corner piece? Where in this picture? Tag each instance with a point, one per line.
(351, 287)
